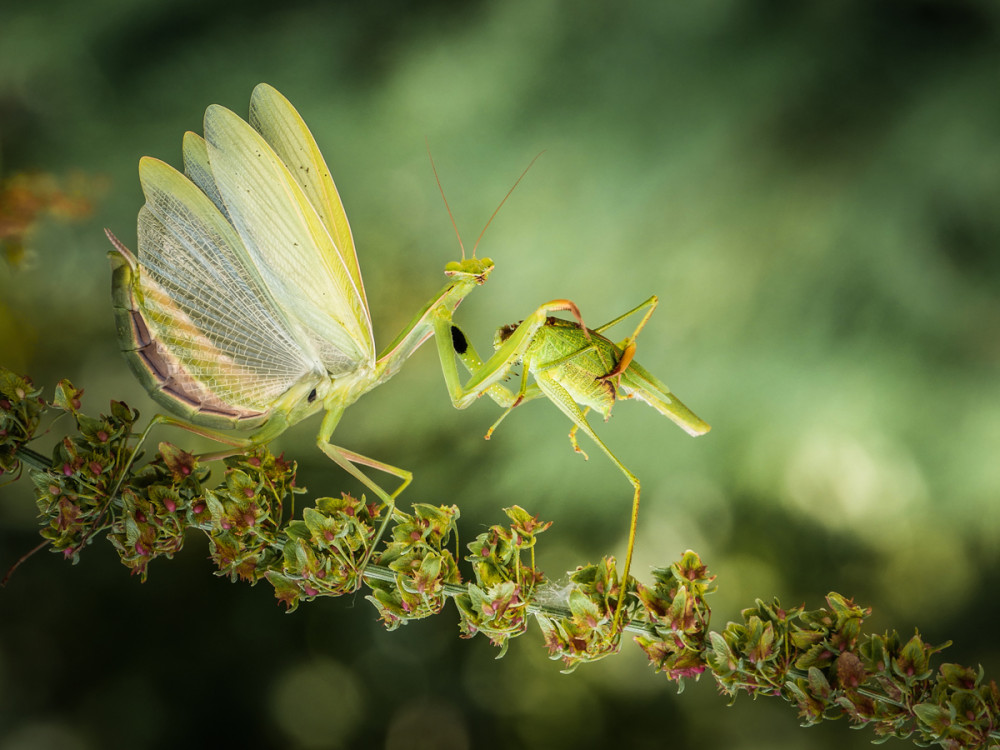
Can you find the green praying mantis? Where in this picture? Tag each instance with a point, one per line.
(244, 308)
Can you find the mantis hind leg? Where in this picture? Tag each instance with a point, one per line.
(349, 461)
(237, 444)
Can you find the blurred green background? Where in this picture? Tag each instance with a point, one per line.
(812, 189)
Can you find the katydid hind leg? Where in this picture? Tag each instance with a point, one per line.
(634, 381)
(651, 303)
(566, 404)
(628, 345)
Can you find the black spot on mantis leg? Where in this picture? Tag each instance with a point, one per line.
(458, 341)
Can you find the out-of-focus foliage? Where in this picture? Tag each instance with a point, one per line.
(27, 199)
(810, 188)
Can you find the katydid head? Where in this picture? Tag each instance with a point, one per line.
(503, 333)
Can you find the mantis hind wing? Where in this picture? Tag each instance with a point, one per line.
(289, 244)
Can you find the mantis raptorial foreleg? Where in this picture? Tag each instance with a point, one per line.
(451, 341)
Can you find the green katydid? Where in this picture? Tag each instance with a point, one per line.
(572, 366)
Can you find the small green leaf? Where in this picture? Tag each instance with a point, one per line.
(933, 716)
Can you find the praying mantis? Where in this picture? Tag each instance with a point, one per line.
(244, 308)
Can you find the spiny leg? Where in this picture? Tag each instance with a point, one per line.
(348, 460)
(565, 402)
(530, 394)
(628, 345)
(572, 436)
(651, 303)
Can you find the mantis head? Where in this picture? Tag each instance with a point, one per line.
(476, 270)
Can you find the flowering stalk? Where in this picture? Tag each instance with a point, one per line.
(819, 660)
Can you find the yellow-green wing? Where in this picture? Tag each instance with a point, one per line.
(288, 243)
(204, 303)
(199, 171)
(274, 117)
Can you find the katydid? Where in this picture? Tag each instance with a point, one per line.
(573, 366)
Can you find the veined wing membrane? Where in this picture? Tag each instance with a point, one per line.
(273, 116)
(199, 171)
(203, 301)
(288, 243)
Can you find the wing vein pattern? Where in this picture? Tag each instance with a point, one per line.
(203, 301)
(289, 244)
